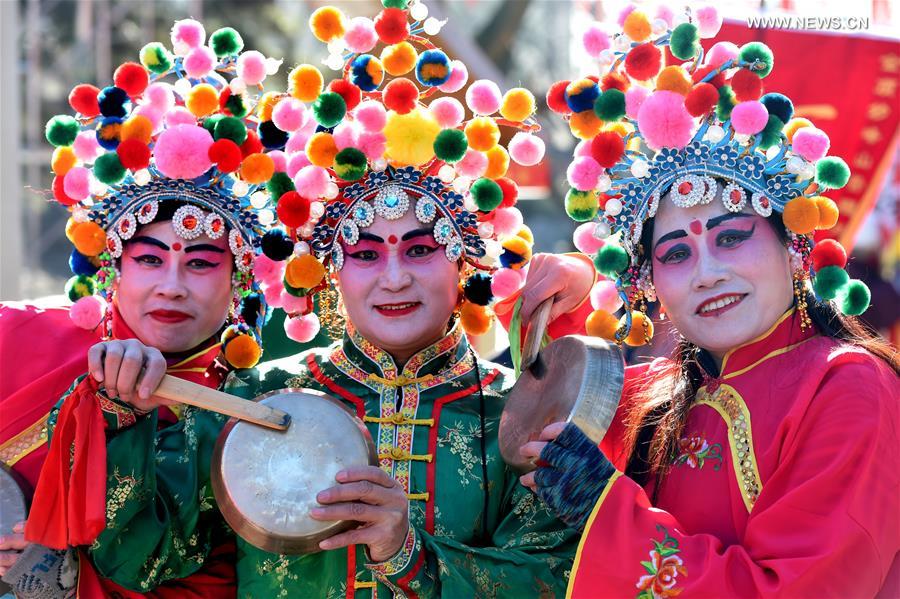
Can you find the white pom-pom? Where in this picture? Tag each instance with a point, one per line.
(335, 62)
(447, 173)
(259, 199)
(485, 230)
(182, 87)
(142, 177)
(418, 11)
(603, 183)
(462, 184)
(301, 248)
(80, 215)
(433, 26)
(96, 187)
(237, 86)
(613, 206)
(602, 230)
(337, 45)
(379, 164)
(272, 65)
(492, 248)
(659, 26)
(316, 210)
(240, 188)
(640, 168)
(794, 165)
(266, 217)
(469, 203)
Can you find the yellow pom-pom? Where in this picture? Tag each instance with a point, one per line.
(828, 212)
(637, 336)
(410, 137)
(89, 238)
(585, 125)
(63, 160)
(525, 233)
(266, 105)
(304, 272)
(623, 129)
(305, 82)
(795, 125)
(637, 26)
(257, 168)
(520, 247)
(202, 100)
(801, 215)
(71, 225)
(498, 162)
(137, 127)
(327, 23)
(674, 79)
(242, 351)
(475, 319)
(321, 149)
(482, 133)
(399, 59)
(602, 324)
(517, 105)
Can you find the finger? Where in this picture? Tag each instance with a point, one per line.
(14, 541)
(95, 361)
(552, 431)
(19, 527)
(363, 490)
(8, 559)
(546, 477)
(528, 480)
(152, 376)
(370, 473)
(112, 360)
(358, 536)
(534, 293)
(129, 371)
(353, 510)
(532, 449)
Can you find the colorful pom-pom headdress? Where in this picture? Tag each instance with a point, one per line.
(382, 140)
(143, 142)
(649, 129)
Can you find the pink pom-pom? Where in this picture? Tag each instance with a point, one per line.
(161, 96)
(296, 143)
(266, 270)
(179, 116)
(809, 143)
(152, 113)
(664, 122)
(293, 304)
(345, 135)
(709, 21)
(623, 14)
(312, 182)
(199, 62)
(182, 152)
(483, 97)
(634, 99)
(295, 163)
(665, 13)
(289, 114)
(604, 296)
(472, 165)
(280, 160)
(86, 147)
(459, 75)
(77, 183)
(88, 312)
(595, 40)
(507, 222)
(371, 115)
(251, 67)
(749, 118)
(583, 173)
(582, 149)
(372, 143)
(189, 33)
(448, 112)
(302, 329)
(585, 240)
(360, 35)
(720, 53)
(506, 281)
(526, 149)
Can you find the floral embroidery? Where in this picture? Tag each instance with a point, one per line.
(662, 569)
(695, 451)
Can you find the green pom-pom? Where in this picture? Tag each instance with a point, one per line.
(295, 291)
(329, 109)
(581, 206)
(236, 104)
(80, 286)
(771, 134)
(829, 281)
(611, 260)
(760, 55)
(232, 128)
(62, 130)
(210, 123)
(832, 172)
(401, 4)
(727, 102)
(279, 185)
(855, 298)
(226, 42)
(108, 169)
(685, 41)
(156, 58)
(350, 164)
(610, 105)
(450, 145)
(486, 194)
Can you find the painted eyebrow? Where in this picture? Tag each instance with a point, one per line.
(203, 247)
(718, 220)
(676, 234)
(151, 241)
(370, 237)
(416, 233)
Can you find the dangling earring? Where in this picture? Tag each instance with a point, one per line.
(329, 309)
(799, 282)
(799, 250)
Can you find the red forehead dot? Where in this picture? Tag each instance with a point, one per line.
(176, 246)
(392, 239)
(696, 227)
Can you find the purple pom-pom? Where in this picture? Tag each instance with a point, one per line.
(483, 97)
(809, 143)
(583, 173)
(526, 149)
(749, 117)
(182, 152)
(664, 122)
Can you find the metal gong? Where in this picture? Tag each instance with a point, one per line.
(266, 481)
(575, 379)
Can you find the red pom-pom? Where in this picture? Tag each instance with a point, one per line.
(83, 99)
(400, 95)
(251, 145)
(226, 155)
(701, 99)
(60, 194)
(593, 78)
(293, 209)
(615, 81)
(602, 198)
(556, 98)
(349, 92)
(828, 252)
(607, 148)
(132, 77)
(392, 26)
(717, 81)
(643, 61)
(510, 191)
(746, 85)
(134, 154)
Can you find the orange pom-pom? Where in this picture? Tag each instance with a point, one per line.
(242, 351)
(517, 105)
(475, 319)
(321, 149)
(89, 238)
(637, 26)
(327, 23)
(137, 127)
(202, 100)
(399, 59)
(498, 162)
(795, 125)
(828, 212)
(304, 272)
(675, 79)
(801, 215)
(637, 336)
(267, 104)
(257, 168)
(63, 160)
(521, 248)
(482, 133)
(585, 125)
(615, 80)
(305, 83)
(71, 225)
(602, 324)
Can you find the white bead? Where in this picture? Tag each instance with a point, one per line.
(259, 199)
(469, 204)
(337, 46)
(266, 217)
(301, 248)
(240, 188)
(715, 133)
(335, 62)
(603, 183)
(640, 168)
(433, 26)
(621, 43)
(659, 26)
(272, 65)
(237, 86)
(492, 248)
(331, 191)
(447, 173)
(96, 187)
(182, 87)
(418, 11)
(316, 210)
(613, 206)
(80, 215)
(307, 229)
(794, 165)
(462, 184)
(379, 164)
(742, 138)
(485, 229)
(142, 177)
(601, 229)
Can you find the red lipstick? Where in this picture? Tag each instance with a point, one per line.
(719, 304)
(169, 316)
(396, 310)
